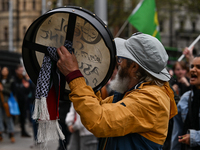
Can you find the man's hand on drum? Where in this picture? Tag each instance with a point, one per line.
(67, 62)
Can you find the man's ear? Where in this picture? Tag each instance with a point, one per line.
(134, 67)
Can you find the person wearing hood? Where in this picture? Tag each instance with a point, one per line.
(137, 115)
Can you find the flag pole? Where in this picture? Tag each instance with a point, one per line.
(193, 43)
(122, 28)
(126, 22)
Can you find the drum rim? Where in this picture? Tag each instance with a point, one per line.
(31, 64)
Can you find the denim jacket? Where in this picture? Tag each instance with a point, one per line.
(179, 121)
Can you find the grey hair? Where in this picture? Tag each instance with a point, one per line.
(142, 74)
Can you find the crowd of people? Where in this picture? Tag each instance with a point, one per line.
(143, 106)
(19, 87)
(186, 129)
(22, 88)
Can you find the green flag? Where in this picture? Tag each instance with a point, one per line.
(144, 18)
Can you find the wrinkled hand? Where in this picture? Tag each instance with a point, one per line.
(67, 62)
(71, 129)
(184, 81)
(184, 139)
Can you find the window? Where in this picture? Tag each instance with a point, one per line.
(24, 30)
(6, 33)
(181, 25)
(34, 5)
(193, 26)
(161, 26)
(24, 5)
(5, 5)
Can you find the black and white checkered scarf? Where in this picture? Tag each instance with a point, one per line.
(48, 129)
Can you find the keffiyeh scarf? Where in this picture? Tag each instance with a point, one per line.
(47, 97)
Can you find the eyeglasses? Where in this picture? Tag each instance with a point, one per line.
(119, 59)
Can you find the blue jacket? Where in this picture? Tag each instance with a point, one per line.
(179, 123)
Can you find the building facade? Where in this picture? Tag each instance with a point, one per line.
(178, 27)
(24, 12)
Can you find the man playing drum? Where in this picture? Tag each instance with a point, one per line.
(137, 115)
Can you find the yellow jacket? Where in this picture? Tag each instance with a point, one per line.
(145, 111)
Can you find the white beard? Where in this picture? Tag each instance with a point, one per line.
(119, 84)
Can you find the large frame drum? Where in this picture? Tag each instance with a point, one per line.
(93, 43)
